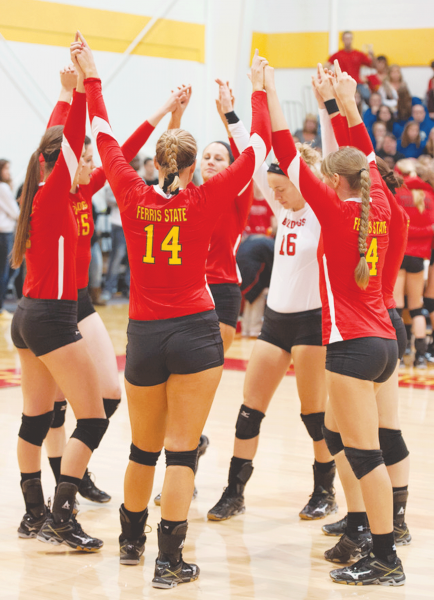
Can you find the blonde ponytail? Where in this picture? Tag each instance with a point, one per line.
(419, 199)
(361, 273)
(176, 150)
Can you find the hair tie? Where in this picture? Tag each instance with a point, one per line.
(362, 255)
(360, 172)
(168, 182)
(51, 157)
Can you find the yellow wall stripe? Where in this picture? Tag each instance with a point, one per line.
(407, 47)
(54, 24)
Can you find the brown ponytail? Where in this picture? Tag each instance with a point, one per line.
(391, 178)
(49, 147)
(176, 150)
(352, 164)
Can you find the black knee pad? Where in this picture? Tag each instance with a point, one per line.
(428, 304)
(393, 446)
(363, 461)
(110, 406)
(34, 429)
(416, 312)
(59, 414)
(142, 457)
(313, 424)
(187, 458)
(248, 423)
(90, 431)
(333, 440)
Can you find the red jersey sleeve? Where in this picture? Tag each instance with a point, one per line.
(340, 128)
(59, 114)
(124, 181)
(234, 147)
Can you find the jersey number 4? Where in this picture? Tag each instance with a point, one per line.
(169, 244)
(372, 256)
(290, 244)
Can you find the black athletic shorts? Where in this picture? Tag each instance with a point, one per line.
(369, 358)
(431, 262)
(412, 264)
(227, 300)
(44, 325)
(286, 330)
(85, 306)
(401, 334)
(182, 345)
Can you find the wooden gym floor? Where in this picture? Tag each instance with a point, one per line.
(268, 553)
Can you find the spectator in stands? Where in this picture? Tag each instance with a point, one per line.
(351, 60)
(429, 147)
(8, 219)
(378, 134)
(419, 115)
(309, 133)
(390, 86)
(371, 113)
(361, 104)
(411, 144)
(261, 219)
(376, 79)
(389, 151)
(430, 94)
(150, 175)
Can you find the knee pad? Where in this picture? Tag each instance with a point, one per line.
(142, 457)
(248, 423)
(313, 424)
(393, 446)
(59, 414)
(34, 429)
(90, 431)
(110, 406)
(363, 461)
(187, 458)
(429, 304)
(416, 312)
(333, 441)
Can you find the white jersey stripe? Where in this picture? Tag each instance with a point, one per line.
(60, 266)
(209, 291)
(294, 171)
(335, 334)
(371, 157)
(70, 158)
(259, 148)
(101, 126)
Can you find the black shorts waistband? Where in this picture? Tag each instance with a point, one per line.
(175, 320)
(26, 302)
(295, 315)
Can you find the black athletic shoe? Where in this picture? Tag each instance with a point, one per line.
(371, 571)
(132, 539)
(347, 549)
(402, 534)
(420, 362)
(168, 575)
(321, 504)
(228, 506)
(30, 525)
(203, 445)
(337, 528)
(69, 533)
(88, 490)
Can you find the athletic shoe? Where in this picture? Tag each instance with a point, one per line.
(321, 504)
(347, 549)
(228, 506)
(371, 571)
(337, 528)
(157, 499)
(168, 575)
(203, 445)
(402, 534)
(420, 362)
(132, 539)
(69, 533)
(88, 490)
(30, 525)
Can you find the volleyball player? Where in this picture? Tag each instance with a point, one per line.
(88, 182)
(174, 342)
(362, 352)
(44, 331)
(356, 539)
(291, 332)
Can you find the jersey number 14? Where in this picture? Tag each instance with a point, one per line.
(169, 244)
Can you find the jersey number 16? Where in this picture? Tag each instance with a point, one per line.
(290, 244)
(169, 244)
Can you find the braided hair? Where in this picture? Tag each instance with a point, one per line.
(176, 150)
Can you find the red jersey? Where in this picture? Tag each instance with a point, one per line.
(259, 219)
(348, 311)
(51, 255)
(399, 220)
(221, 264)
(351, 62)
(81, 200)
(168, 236)
(420, 230)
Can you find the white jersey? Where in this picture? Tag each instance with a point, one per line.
(294, 283)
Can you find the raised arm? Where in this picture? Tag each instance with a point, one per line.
(68, 83)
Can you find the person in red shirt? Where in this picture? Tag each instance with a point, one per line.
(351, 61)
(174, 341)
(88, 181)
(44, 331)
(362, 351)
